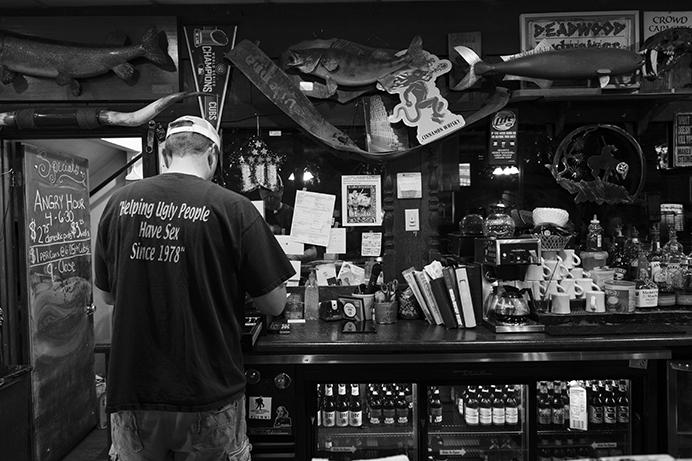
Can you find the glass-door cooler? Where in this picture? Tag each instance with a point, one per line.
(583, 418)
(477, 422)
(365, 420)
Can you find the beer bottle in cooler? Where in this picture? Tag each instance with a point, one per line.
(328, 407)
(609, 406)
(388, 409)
(485, 409)
(623, 404)
(511, 408)
(435, 408)
(565, 402)
(558, 410)
(342, 405)
(375, 409)
(355, 409)
(595, 407)
(401, 409)
(545, 411)
(471, 408)
(498, 408)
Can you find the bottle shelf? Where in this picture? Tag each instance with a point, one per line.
(590, 432)
(366, 430)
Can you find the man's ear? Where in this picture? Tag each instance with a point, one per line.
(213, 159)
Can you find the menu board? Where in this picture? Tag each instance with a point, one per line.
(682, 139)
(58, 264)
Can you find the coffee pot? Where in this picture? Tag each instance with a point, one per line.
(507, 305)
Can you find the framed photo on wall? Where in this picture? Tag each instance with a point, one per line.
(361, 200)
(618, 29)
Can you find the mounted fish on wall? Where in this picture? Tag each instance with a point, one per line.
(134, 58)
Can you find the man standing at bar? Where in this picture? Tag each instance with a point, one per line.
(175, 255)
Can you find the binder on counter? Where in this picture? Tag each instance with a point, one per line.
(444, 303)
(411, 280)
(468, 314)
(423, 280)
(452, 288)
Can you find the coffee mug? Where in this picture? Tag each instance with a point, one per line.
(534, 272)
(595, 301)
(536, 288)
(559, 303)
(570, 258)
(554, 269)
(600, 276)
(571, 288)
(550, 288)
(579, 273)
(586, 284)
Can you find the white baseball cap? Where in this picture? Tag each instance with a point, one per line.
(193, 124)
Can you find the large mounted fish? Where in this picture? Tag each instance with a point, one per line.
(544, 64)
(66, 62)
(347, 65)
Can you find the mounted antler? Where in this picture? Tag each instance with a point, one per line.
(88, 117)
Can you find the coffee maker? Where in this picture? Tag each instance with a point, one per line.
(506, 307)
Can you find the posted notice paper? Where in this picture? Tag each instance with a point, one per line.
(409, 185)
(312, 218)
(371, 244)
(337, 241)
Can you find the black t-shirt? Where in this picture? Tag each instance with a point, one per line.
(178, 253)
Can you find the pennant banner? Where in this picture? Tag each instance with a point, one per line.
(206, 46)
(282, 91)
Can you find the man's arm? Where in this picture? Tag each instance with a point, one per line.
(104, 296)
(272, 303)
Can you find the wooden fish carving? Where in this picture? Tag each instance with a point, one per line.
(347, 64)
(66, 62)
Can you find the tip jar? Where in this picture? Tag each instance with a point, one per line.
(499, 223)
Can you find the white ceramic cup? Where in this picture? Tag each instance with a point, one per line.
(534, 272)
(554, 268)
(586, 284)
(536, 288)
(571, 288)
(559, 303)
(550, 288)
(595, 301)
(579, 273)
(570, 258)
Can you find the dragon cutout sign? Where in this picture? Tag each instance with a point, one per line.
(422, 106)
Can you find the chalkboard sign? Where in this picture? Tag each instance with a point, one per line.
(58, 261)
(682, 139)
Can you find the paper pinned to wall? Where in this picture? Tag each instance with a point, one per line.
(312, 217)
(337, 241)
(409, 185)
(290, 246)
(371, 244)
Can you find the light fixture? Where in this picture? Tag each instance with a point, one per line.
(307, 176)
(292, 177)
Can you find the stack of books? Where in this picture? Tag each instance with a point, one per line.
(443, 294)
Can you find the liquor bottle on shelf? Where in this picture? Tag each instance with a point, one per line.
(655, 255)
(388, 409)
(511, 408)
(623, 404)
(545, 411)
(616, 255)
(471, 408)
(435, 409)
(401, 409)
(460, 400)
(646, 290)
(375, 409)
(558, 407)
(328, 407)
(595, 407)
(674, 253)
(498, 408)
(355, 409)
(632, 248)
(408, 392)
(485, 409)
(342, 407)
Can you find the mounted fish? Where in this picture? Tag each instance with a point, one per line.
(544, 64)
(347, 68)
(66, 62)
